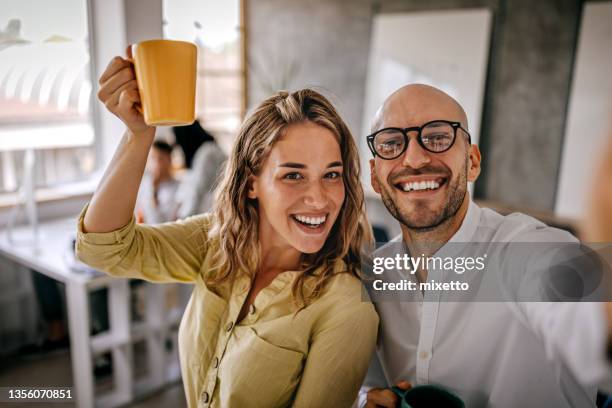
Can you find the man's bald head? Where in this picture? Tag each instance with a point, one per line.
(441, 207)
(415, 104)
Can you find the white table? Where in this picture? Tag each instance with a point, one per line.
(49, 258)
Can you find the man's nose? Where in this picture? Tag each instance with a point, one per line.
(415, 155)
(315, 195)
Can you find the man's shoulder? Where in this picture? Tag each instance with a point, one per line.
(518, 227)
(390, 247)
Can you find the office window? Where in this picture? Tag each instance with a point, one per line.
(217, 30)
(45, 91)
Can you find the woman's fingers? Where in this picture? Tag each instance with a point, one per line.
(113, 100)
(114, 66)
(127, 99)
(119, 93)
(115, 82)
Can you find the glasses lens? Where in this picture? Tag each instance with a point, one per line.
(438, 136)
(389, 143)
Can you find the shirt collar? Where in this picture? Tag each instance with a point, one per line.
(470, 222)
(465, 233)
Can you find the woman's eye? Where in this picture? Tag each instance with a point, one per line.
(293, 176)
(333, 175)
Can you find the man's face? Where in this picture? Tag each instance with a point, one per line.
(160, 163)
(445, 175)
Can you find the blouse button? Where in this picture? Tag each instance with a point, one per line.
(252, 309)
(229, 327)
(205, 397)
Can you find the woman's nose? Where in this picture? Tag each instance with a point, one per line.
(315, 196)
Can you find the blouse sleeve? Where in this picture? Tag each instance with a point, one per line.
(338, 358)
(170, 252)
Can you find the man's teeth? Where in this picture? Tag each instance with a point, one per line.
(311, 220)
(420, 185)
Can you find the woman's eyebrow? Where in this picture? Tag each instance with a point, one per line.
(294, 165)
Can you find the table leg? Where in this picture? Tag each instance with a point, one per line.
(80, 348)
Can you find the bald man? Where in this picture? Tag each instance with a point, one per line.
(493, 354)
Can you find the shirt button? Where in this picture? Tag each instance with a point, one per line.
(205, 397)
(229, 327)
(424, 354)
(252, 309)
(216, 362)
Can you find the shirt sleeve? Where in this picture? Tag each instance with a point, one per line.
(375, 378)
(575, 333)
(338, 359)
(170, 252)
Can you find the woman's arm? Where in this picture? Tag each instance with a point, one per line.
(108, 238)
(169, 252)
(338, 358)
(112, 205)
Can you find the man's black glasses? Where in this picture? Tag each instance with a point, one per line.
(436, 136)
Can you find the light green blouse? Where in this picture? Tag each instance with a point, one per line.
(273, 357)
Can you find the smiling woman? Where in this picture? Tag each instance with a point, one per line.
(277, 308)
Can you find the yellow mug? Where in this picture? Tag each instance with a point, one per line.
(166, 77)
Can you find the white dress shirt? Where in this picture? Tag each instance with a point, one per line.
(196, 191)
(494, 354)
(166, 207)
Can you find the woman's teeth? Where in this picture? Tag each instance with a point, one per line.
(312, 221)
(420, 185)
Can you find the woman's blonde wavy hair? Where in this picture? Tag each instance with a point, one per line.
(236, 217)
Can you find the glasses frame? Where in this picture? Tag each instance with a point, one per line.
(405, 131)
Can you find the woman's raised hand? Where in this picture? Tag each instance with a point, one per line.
(119, 93)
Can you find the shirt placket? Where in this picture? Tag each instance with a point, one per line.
(225, 333)
(429, 318)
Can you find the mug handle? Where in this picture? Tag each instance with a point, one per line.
(398, 391)
(130, 58)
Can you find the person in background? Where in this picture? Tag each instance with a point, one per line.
(597, 223)
(157, 199)
(598, 219)
(190, 138)
(196, 191)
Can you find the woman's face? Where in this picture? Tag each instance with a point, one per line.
(300, 188)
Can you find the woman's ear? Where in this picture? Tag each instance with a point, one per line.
(252, 186)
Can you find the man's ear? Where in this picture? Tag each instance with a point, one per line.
(252, 184)
(373, 178)
(474, 165)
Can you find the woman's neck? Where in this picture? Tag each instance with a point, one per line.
(275, 254)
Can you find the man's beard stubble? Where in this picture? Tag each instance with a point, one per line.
(457, 190)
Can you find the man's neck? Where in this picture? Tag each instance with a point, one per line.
(428, 242)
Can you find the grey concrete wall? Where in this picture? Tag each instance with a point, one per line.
(318, 43)
(325, 43)
(529, 89)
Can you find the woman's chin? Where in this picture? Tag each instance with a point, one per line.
(308, 246)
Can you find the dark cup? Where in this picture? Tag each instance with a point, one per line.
(427, 396)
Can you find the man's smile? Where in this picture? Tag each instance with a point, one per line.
(420, 184)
